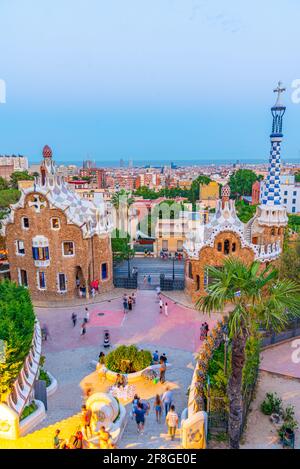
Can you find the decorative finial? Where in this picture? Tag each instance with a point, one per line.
(279, 90)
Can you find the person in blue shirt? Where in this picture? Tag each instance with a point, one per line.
(155, 357)
(140, 412)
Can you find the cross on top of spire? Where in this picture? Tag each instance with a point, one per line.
(279, 90)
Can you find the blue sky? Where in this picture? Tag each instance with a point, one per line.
(149, 80)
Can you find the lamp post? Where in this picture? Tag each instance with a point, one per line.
(128, 259)
(173, 259)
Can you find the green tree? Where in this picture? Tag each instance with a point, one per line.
(3, 184)
(297, 176)
(254, 297)
(16, 331)
(20, 176)
(121, 201)
(195, 187)
(241, 182)
(245, 211)
(289, 264)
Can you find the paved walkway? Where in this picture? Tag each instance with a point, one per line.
(69, 357)
(282, 359)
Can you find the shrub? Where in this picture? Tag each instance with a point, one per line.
(16, 331)
(28, 410)
(272, 404)
(128, 359)
(44, 377)
(289, 422)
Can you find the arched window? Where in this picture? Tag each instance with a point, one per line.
(272, 231)
(226, 247)
(160, 214)
(172, 215)
(233, 248)
(219, 247)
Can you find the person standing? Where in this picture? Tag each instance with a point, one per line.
(87, 315)
(130, 304)
(166, 309)
(140, 417)
(158, 408)
(162, 371)
(74, 319)
(83, 328)
(56, 440)
(149, 279)
(125, 304)
(160, 305)
(86, 416)
(167, 399)
(133, 299)
(172, 421)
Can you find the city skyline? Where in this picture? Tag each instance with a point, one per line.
(123, 88)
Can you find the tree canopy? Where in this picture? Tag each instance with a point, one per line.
(120, 243)
(16, 331)
(20, 176)
(241, 182)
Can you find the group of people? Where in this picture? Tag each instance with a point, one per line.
(204, 329)
(165, 255)
(163, 306)
(80, 439)
(162, 361)
(128, 302)
(140, 409)
(84, 321)
(81, 289)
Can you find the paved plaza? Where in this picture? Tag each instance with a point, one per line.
(69, 358)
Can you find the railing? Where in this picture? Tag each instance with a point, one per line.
(22, 388)
(126, 282)
(170, 284)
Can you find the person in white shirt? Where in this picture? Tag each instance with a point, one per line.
(166, 309)
(172, 421)
(160, 305)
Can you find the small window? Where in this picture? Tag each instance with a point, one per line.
(25, 223)
(272, 232)
(23, 280)
(293, 209)
(190, 270)
(20, 248)
(197, 282)
(285, 193)
(55, 223)
(285, 201)
(233, 247)
(219, 247)
(294, 192)
(104, 271)
(41, 280)
(294, 201)
(68, 248)
(62, 284)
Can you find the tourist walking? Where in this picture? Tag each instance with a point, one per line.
(160, 306)
(83, 328)
(56, 440)
(162, 371)
(106, 339)
(206, 329)
(130, 304)
(172, 421)
(149, 279)
(87, 314)
(125, 305)
(135, 402)
(155, 358)
(139, 413)
(86, 415)
(45, 332)
(167, 399)
(133, 297)
(166, 309)
(74, 319)
(158, 408)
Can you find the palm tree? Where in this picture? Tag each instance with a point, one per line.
(255, 296)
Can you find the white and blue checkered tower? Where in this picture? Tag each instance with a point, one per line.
(272, 195)
(271, 212)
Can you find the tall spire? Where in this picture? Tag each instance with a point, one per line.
(272, 195)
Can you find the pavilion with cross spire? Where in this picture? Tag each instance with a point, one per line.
(225, 234)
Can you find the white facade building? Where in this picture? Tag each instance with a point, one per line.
(290, 193)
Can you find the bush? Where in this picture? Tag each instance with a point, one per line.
(28, 410)
(16, 331)
(272, 404)
(128, 359)
(44, 377)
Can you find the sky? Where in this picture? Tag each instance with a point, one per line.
(148, 80)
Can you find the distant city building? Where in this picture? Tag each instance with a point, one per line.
(290, 193)
(209, 193)
(87, 164)
(96, 175)
(11, 163)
